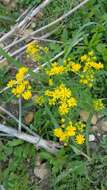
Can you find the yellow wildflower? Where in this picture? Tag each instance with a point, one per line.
(39, 100)
(55, 69)
(87, 79)
(80, 139)
(52, 101)
(27, 95)
(21, 87)
(61, 93)
(64, 92)
(84, 58)
(23, 70)
(11, 83)
(70, 131)
(80, 126)
(75, 67)
(72, 102)
(48, 93)
(58, 132)
(63, 137)
(98, 105)
(33, 51)
(46, 49)
(97, 66)
(14, 91)
(63, 108)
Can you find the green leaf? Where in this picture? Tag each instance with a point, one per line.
(9, 58)
(15, 143)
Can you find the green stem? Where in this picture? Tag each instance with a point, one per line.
(20, 115)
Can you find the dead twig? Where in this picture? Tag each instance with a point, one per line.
(15, 119)
(26, 20)
(50, 24)
(43, 65)
(38, 141)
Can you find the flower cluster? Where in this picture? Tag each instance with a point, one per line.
(75, 131)
(20, 87)
(90, 66)
(85, 69)
(39, 100)
(71, 66)
(98, 105)
(87, 78)
(62, 96)
(34, 50)
(55, 69)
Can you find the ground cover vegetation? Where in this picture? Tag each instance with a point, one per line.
(53, 95)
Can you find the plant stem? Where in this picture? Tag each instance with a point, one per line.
(20, 115)
(87, 133)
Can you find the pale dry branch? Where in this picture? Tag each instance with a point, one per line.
(52, 23)
(38, 141)
(26, 20)
(43, 65)
(16, 120)
(22, 49)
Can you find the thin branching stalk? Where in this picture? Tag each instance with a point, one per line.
(17, 121)
(20, 115)
(87, 133)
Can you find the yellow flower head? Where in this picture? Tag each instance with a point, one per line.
(75, 67)
(39, 100)
(64, 92)
(58, 132)
(87, 78)
(80, 126)
(11, 83)
(20, 86)
(97, 66)
(55, 69)
(46, 49)
(33, 51)
(72, 102)
(70, 131)
(84, 58)
(63, 108)
(98, 105)
(80, 139)
(27, 95)
(23, 70)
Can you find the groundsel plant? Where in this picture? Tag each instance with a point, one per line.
(21, 88)
(60, 93)
(65, 91)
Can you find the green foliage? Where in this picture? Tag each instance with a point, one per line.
(15, 157)
(72, 172)
(71, 169)
(23, 3)
(7, 18)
